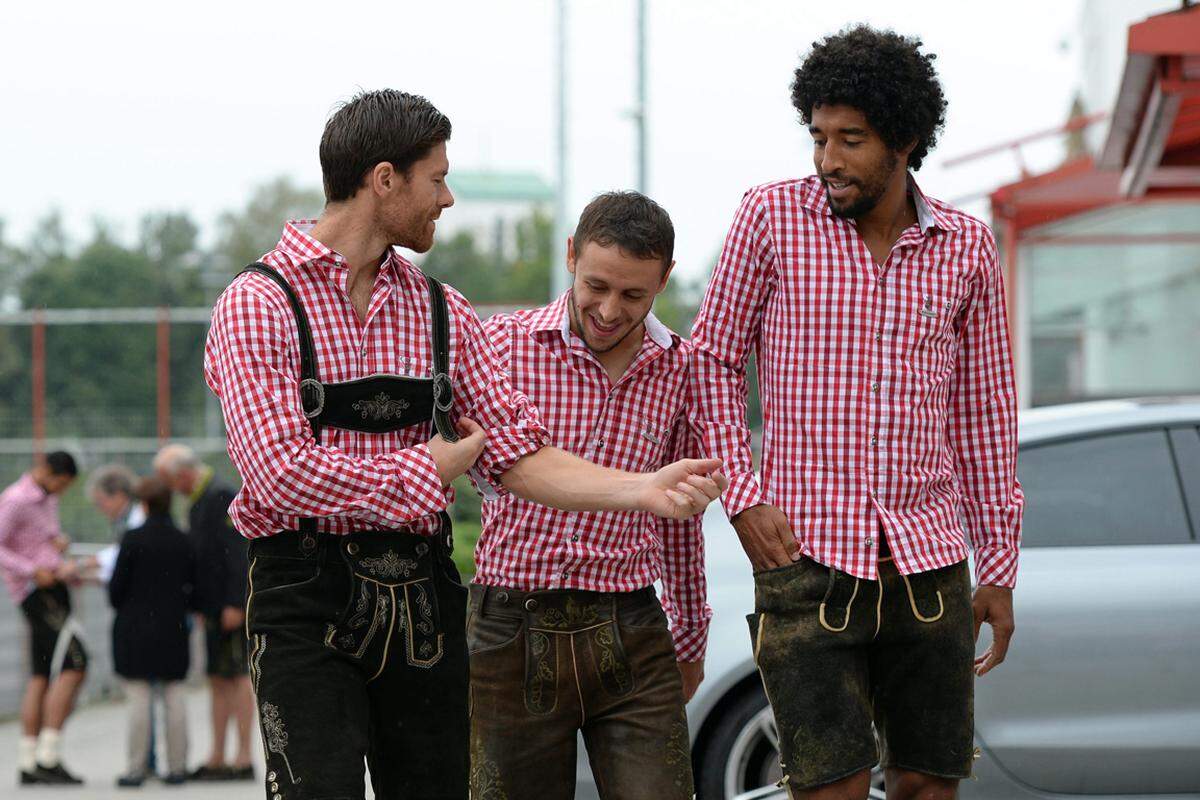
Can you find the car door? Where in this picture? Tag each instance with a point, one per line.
(1098, 694)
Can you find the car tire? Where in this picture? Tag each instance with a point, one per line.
(739, 755)
(729, 740)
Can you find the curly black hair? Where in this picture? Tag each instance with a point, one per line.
(882, 74)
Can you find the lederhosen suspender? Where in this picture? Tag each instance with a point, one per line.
(377, 403)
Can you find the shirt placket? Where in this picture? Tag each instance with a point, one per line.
(597, 440)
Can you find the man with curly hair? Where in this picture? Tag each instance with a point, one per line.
(877, 317)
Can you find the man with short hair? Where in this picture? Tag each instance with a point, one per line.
(36, 573)
(354, 391)
(220, 595)
(566, 634)
(889, 432)
(110, 489)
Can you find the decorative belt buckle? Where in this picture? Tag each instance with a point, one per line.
(320, 392)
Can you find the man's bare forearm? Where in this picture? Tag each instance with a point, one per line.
(560, 480)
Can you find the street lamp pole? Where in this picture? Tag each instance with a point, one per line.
(559, 278)
(640, 112)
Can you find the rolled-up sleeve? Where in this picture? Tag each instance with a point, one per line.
(250, 367)
(483, 392)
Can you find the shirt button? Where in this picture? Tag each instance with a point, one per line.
(874, 387)
(575, 537)
(599, 444)
(564, 575)
(874, 440)
(879, 336)
(869, 542)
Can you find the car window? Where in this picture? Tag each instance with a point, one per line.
(1104, 490)
(1185, 444)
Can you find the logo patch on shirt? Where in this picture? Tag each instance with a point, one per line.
(928, 310)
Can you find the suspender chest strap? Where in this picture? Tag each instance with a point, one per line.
(376, 403)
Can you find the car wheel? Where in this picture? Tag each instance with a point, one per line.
(740, 759)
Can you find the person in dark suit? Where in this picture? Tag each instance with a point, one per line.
(151, 591)
(221, 569)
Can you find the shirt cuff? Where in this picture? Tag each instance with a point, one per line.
(743, 492)
(423, 491)
(996, 566)
(505, 447)
(691, 640)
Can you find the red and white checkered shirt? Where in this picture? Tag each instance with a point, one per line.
(887, 391)
(639, 424)
(28, 529)
(351, 480)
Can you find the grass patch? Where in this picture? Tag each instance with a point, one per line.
(466, 534)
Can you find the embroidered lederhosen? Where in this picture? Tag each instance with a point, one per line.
(387, 602)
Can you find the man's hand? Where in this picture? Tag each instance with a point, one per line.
(766, 537)
(67, 572)
(455, 458)
(44, 578)
(692, 673)
(682, 489)
(232, 618)
(61, 543)
(993, 605)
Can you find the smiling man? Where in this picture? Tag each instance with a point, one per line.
(889, 432)
(566, 633)
(354, 391)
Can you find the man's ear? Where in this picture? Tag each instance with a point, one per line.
(666, 276)
(384, 179)
(571, 254)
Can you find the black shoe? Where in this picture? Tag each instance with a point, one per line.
(245, 773)
(175, 778)
(58, 774)
(131, 781)
(207, 773)
(31, 778)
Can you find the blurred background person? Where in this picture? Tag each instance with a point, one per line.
(36, 573)
(221, 598)
(110, 488)
(151, 592)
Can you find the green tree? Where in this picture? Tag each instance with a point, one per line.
(244, 235)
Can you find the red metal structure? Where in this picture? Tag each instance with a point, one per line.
(1147, 169)
(1153, 144)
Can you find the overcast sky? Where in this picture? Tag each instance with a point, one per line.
(114, 109)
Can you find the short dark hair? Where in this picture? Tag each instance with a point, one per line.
(155, 494)
(630, 220)
(374, 127)
(882, 74)
(60, 462)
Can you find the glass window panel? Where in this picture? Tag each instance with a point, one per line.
(1104, 490)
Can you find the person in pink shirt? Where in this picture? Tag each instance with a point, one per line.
(36, 575)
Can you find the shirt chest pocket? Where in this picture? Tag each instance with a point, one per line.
(934, 322)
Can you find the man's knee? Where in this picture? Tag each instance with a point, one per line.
(852, 787)
(903, 784)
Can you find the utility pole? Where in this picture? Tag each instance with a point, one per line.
(640, 110)
(559, 278)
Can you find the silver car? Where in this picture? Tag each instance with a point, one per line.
(1100, 693)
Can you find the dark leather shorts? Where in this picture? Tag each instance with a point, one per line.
(845, 660)
(358, 651)
(48, 612)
